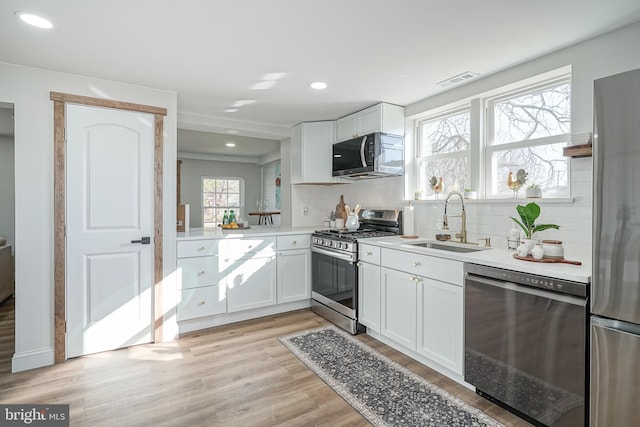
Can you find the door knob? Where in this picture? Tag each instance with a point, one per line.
(145, 240)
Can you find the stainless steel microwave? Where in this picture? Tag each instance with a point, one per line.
(369, 156)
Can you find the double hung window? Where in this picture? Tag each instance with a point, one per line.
(218, 195)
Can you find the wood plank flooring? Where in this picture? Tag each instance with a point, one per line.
(233, 375)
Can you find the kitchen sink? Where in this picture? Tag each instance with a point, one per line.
(448, 247)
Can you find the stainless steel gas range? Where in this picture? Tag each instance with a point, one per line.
(334, 270)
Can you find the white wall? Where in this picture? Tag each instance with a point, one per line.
(269, 188)
(7, 206)
(190, 184)
(605, 55)
(28, 89)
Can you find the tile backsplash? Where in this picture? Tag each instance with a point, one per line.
(485, 218)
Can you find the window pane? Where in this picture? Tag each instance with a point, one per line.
(454, 172)
(538, 114)
(210, 217)
(221, 185)
(233, 186)
(545, 166)
(233, 200)
(208, 185)
(209, 199)
(448, 134)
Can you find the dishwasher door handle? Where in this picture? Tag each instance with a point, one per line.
(527, 290)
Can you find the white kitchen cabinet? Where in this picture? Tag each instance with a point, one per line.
(440, 323)
(200, 271)
(251, 282)
(201, 302)
(383, 117)
(294, 275)
(311, 152)
(369, 287)
(294, 268)
(399, 307)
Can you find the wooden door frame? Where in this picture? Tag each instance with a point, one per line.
(59, 215)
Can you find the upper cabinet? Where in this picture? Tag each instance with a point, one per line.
(383, 117)
(311, 152)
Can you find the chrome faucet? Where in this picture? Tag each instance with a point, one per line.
(462, 234)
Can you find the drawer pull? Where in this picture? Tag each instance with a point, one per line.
(201, 273)
(203, 302)
(201, 248)
(295, 242)
(250, 246)
(369, 253)
(415, 263)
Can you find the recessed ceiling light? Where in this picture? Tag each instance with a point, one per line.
(233, 131)
(318, 85)
(230, 110)
(35, 20)
(230, 144)
(243, 102)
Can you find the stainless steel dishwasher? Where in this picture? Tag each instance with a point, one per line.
(526, 343)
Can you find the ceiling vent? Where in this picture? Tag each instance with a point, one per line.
(467, 75)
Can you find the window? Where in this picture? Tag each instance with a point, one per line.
(444, 145)
(528, 130)
(218, 195)
(475, 143)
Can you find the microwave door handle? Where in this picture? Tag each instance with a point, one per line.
(363, 144)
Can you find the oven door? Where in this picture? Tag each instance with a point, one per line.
(334, 278)
(526, 347)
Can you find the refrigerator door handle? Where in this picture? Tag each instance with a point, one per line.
(616, 325)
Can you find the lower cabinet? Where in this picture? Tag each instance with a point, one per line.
(201, 302)
(369, 295)
(251, 283)
(440, 323)
(294, 275)
(399, 307)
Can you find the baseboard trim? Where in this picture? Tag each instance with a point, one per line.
(226, 318)
(32, 359)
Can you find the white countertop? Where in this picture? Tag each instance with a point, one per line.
(254, 231)
(498, 257)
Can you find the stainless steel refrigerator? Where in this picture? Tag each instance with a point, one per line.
(615, 288)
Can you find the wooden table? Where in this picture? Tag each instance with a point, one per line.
(265, 217)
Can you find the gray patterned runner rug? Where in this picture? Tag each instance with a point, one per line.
(383, 391)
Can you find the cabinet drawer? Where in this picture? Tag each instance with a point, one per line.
(295, 241)
(370, 254)
(200, 271)
(193, 248)
(442, 269)
(200, 302)
(238, 248)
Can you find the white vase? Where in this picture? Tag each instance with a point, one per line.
(537, 252)
(529, 243)
(534, 193)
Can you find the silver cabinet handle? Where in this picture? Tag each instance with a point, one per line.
(369, 253)
(202, 302)
(201, 248)
(415, 263)
(201, 273)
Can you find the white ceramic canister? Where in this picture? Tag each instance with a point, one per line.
(553, 249)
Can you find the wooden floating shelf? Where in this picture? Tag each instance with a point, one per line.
(584, 150)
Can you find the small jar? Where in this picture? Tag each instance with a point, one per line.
(537, 252)
(522, 250)
(553, 249)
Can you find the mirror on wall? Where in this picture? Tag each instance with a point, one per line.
(248, 161)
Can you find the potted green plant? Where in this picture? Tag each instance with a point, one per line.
(534, 191)
(528, 215)
(470, 193)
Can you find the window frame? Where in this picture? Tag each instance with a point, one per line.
(488, 148)
(423, 159)
(239, 209)
(481, 175)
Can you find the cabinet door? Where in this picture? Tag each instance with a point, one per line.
(294, 275)
(311, 152)
(251, 283)
(369, 120)
(399, 307)
(440, 323)
(346, 128)
(200, 271)
(369, 295)
(201, 302)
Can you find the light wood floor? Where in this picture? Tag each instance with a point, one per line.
(234, 375)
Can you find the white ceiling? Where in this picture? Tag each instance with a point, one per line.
(213, 52)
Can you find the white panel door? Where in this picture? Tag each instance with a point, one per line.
(109, 195)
